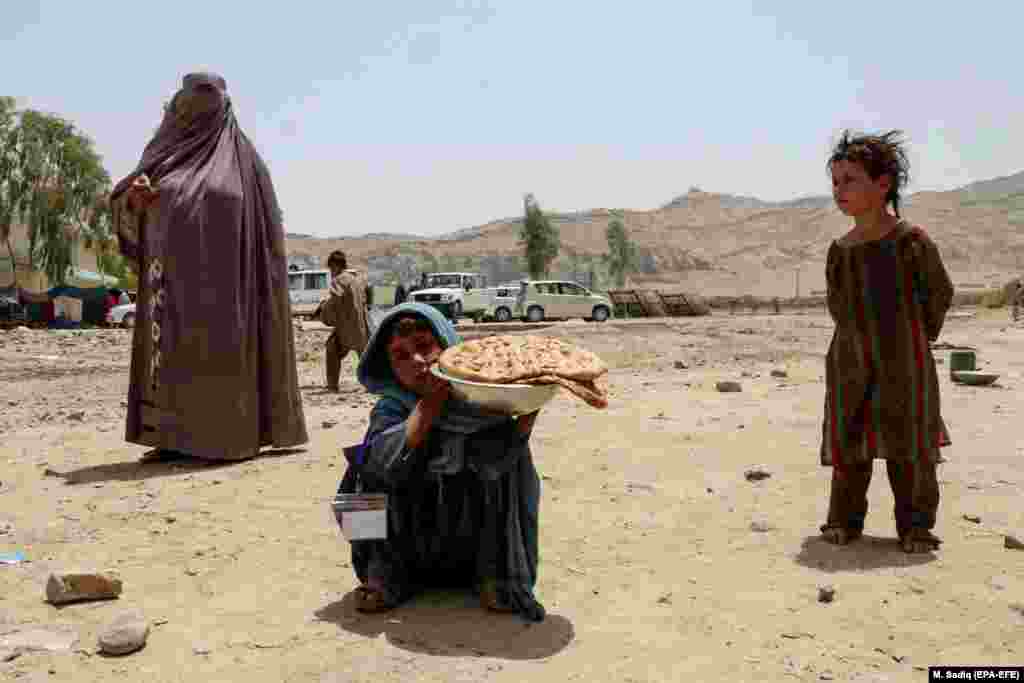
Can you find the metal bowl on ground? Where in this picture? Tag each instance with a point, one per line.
(512, 399)
(974, 377)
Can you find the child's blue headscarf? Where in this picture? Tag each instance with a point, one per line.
(374, 371)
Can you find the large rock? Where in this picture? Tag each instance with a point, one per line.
(63, 587)
(125, 634)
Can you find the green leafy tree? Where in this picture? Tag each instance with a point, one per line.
(53, 180)
(13, 186)
(98, 235)
(621, 258)
(539, 238)
(429, 263)
(449, 262)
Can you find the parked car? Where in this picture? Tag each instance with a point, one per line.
(122, 316)
(542, 299)
(307, 288)
(503, 305)
(446, 292)
(491, 303)
(11, 309)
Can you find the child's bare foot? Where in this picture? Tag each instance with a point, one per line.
(920, 541)
(838, 535)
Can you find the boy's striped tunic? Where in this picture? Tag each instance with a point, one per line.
(888, 299)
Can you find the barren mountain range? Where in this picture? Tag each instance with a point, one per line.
(712, 244)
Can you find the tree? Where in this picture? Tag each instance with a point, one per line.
(622, 252)
(51, 179)
(447, 262)
(98, 235)
(429, 263)
(13, 187)
(68, 182)
(539, 238)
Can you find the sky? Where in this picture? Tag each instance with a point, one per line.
(429, 116)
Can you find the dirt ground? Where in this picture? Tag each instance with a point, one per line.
(660, 561)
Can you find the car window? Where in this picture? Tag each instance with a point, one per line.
(445, 281)
(316, 281)
(571, 289)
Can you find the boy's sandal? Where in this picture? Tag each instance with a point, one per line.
(371, 600)
(839, 535)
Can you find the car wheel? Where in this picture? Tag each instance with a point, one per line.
(600, 314)
(535, 314)
(128, 321)
(503, 315)
(457, 310)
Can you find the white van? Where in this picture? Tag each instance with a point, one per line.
(306, 288)
(545, 299)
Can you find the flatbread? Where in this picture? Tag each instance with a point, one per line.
(592, 393)
(507, 359)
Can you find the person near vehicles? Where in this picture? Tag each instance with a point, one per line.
(345, 309)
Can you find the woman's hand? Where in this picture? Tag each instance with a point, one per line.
(141, 193)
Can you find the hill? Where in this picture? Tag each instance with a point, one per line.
(715, 244)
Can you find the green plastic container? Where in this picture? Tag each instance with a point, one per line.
(961, 360)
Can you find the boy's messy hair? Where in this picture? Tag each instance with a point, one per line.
(879, 155)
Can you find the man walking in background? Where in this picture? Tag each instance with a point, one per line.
(346, 311)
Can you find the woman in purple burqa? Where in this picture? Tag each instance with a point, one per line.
(213, 357)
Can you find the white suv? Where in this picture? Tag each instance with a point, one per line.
(541, 299)
(122, 316)
(446, 291)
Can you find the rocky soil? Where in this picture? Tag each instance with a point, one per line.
(678, 528)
